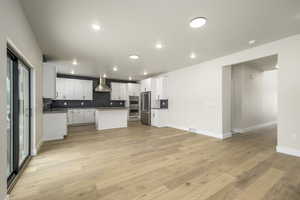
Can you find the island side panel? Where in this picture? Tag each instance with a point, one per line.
(110, 119)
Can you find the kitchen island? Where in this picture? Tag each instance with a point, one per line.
(109, 118)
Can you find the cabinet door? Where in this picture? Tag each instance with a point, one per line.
(115, 91)
(88, 90)
(49, 81)
(123, 91)
(60, 88)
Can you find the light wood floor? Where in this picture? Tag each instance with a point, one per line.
(144, 163)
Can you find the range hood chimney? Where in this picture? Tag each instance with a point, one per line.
(102, 87)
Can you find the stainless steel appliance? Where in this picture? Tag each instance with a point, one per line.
(134, 108)
(146, 108)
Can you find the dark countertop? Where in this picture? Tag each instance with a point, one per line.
(65, 110)
(159, 108)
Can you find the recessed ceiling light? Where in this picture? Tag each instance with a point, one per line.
(134, 57)
(145, 73)
(192, 55)
(104, 76)
(198, 22)
(96, 27)
(72, 72)
(130, 78)
(252, 42)
(158, 46)
(115, 68)
(75, 62)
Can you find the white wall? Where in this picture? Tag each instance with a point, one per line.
(254, 97)
(15, 28)
(195, 93)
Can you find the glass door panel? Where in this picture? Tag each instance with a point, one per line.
(9, 116)
(24, 113)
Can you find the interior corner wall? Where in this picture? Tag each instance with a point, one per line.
(195, 92)
(15, 28)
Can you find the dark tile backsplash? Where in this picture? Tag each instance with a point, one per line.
(100, 99)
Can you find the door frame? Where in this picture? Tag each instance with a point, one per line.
(15, 70)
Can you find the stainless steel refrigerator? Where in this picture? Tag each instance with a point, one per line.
(146, 108)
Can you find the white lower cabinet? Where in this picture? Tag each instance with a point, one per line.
(159, 117)
(81, 116)
(54, 126)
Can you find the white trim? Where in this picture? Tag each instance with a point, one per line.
(227, 135)
(287, 150)
(252, 128)
(201, 132)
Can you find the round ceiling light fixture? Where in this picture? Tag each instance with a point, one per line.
(134, 57)
(115, 68)
(158, 46)
(96, 27)
(251, 42)
(192, 56)
(198, 22)
(75, 62)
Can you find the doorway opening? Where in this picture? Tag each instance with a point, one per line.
(250, 98)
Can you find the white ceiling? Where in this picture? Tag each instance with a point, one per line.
(63, 30)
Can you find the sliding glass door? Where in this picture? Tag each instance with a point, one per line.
(24, 112)
(18, 114)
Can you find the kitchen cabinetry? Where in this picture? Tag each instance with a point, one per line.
(133, 89)
(118, 91)
(54, 126)
(81, 116)
(49, 81)
(159, 117)
(146, 85)
(74, 89)
(161, 88)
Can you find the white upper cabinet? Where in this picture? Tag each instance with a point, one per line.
(119, 91)
(161, 88)
(74, 89)
(157, 86)
(133, 89)
(146, 85)
(49, 81)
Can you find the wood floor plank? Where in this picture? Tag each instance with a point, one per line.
(147, 163)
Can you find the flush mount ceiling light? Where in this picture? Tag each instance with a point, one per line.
(115, 68)
(198, 22)
(158, 46)
(134, 57)
(252, 42)
(96, 27)
(75, 62)
(192, 56)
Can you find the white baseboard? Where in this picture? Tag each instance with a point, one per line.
(252, 128)
(227, 135)
(287, 150)
(202, 132)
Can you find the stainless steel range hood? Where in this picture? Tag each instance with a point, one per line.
(102, 87)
